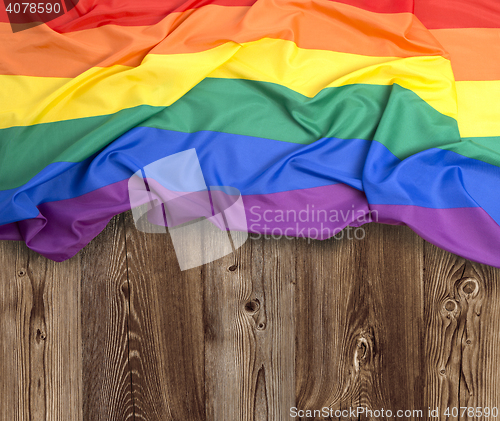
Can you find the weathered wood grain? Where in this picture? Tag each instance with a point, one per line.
(13, 376)
(462, 334)
(40, 335)
(393, 288)
(165, 330)
(107, 389)
(119, 332)
(275, 330)
(325, 344)
(250, 346)
(359, 322)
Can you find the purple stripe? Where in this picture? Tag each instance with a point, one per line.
(468, 232)
(318, 213)
(64, 227)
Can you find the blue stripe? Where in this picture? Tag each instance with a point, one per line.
(434, 178)
(253, 165)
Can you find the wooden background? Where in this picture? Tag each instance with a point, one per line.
(120, 333)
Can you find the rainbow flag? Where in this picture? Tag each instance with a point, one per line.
(323, 114)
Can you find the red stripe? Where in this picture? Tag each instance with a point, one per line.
(440, 14)
(433, 14)
(89, 14)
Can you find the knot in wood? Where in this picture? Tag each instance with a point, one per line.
(362, 348)
(40, 335)
(252, 306)
(361, 352)
(450, 305)
(469, 286)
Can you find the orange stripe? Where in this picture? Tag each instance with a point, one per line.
(39, 51)
(474, 52)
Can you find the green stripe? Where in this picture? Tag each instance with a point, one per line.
(486, 149)
(392, 115)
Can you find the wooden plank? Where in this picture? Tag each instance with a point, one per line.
(63, 357)
(166, 330)
(276, 336)
(105, 316)
(392, 281)
(280, 324)
(250, 352)
(462, 334)
(359, 322)
(40, 318)
(325, 281)
(480, 383)
(13, 376)
(230, 343)
(230, 332)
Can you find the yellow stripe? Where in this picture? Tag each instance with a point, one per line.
(478, 108)
(162, 79)
(309, 71)
(158, 81)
